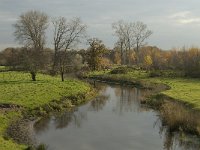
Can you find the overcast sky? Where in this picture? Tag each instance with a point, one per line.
(175, 23)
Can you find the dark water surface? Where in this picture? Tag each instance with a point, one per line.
(113, 121)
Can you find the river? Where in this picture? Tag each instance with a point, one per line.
(115, 120)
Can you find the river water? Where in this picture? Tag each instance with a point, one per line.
(115, 120)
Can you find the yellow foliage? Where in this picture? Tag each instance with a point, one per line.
(148, 61)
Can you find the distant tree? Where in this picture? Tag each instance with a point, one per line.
(130, 36)
(95, 53)
(123, 32)
(66, 35)
(104, 63)
(83, 54)
(30, 31)
(117, 58)
(10, 57)
(191, 62)
(77, 62)
(140, 34)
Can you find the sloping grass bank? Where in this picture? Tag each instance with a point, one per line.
(18, 90)
(182, 89)
(186, 90)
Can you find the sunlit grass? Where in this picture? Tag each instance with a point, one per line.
(187, 90)
(17, 88)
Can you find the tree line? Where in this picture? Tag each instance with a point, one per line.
(130, 48)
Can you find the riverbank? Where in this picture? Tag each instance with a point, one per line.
(177, 99)
(182, 89)
(22, 98)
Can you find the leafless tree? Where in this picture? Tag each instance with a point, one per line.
(66, 35)
(120, 29)
(130, 36)
(140, 34)
(60, 29)
(30, 31)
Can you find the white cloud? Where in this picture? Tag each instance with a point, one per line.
(182, 14)
(185, 17)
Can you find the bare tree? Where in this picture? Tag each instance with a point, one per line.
(140, 34)
(130, 36)
(60, 29)
(30, 31)
(120, 29)
(66, 35)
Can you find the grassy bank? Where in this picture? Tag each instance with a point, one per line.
(18, 90)
(183, 89)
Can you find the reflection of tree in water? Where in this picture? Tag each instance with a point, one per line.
(98, 85)
(61, 120)
(42, 124)
(98, 103)
(128, 100)
(174, 140)
(64, 119)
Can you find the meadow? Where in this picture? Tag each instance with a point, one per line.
(18, 89)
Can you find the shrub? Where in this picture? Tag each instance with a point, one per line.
(166, 73)
(122, 70)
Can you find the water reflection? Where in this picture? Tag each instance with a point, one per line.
(127, 101)
(114, 120)
(99, 103)
(61, 120)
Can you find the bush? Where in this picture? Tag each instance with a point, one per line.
(193, 74)
(166, 73)
(122, 70)
(153, 74)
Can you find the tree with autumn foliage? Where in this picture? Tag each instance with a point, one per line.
(148, 62)
(95, 53)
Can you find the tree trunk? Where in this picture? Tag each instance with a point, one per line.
(127, 56)
(137, 53)
(55, 60)
(121, 48)
(33, 75)
(62, 76)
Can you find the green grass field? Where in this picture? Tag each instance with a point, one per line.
(17, 88)
(183, 89)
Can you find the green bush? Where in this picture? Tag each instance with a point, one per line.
(122, 70)
(166, 73)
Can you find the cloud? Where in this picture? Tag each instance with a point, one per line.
(185, 17)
